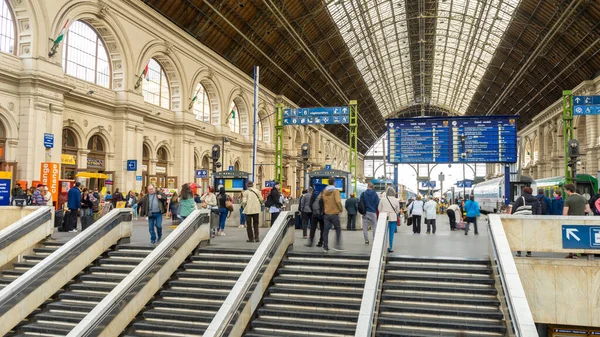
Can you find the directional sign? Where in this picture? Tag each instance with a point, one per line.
(231, 168)
(586, 105)
(307, 116)
(465, 183)
(270, 183)
(580, 237)
(489, 139)
(201, 174)
(328, 167)
(132, 165)
(48, 140)
(138, 178)
(427, 184)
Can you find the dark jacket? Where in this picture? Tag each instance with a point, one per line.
(530, 200)
(371, 199)
(144, 204)
(305, 205)
(545, 203)
(86, 202)
(74, 198)
(273, 198)
(351, 206)
(557, 206)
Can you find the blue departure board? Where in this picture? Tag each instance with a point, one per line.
(487, 139)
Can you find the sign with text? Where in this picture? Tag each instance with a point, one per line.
(201, 174)
(5, 180)
(49, 174)
(323, 115)
(580, 237)
(586, 105)
(138, 178)
(48, 140)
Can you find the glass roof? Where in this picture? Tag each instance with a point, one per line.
(467, 33)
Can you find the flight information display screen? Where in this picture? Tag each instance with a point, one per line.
(472, 139)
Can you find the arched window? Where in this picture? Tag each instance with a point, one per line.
(234, 118)
(95, 144)
(84, 55)
(7, 29)
(162, 154)
(202, 104)
(156, 87)
(259, 129)
(69, 140)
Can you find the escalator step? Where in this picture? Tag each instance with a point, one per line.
(46, 329)
(479, 312)
(308, 325)
(441, 323)
(191, 330)
(440, 287)
(428, 298)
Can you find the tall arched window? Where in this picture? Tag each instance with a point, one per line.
(234, 118)
(202, 104)
(156, 86)
(259, 130)
(7, 29)
(84, 55)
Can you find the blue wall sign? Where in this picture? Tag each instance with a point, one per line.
(586, 105)
(48, 140)
(4, 192)
(270, 183)
(131, 165)
(489, 139)
(230, 168)
(328, 167)
(138, 178)
(201, 174)
(580, 237)
(465, 183)
(325, 115)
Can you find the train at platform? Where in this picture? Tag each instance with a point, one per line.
(585, 184)
(379, 185)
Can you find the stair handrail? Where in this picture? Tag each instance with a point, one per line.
(366, 324)
(104, 312)
(232, 305)
(20, 288)
(25, 226)
(520, 318)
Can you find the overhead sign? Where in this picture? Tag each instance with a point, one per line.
(328, 167)
(586, 105)
(487, 139)
(132, 165)
(5, 180)
(427, 184)
(48, 140)
(201, 174)
(580, 237)
(465, 183)
(325, 115)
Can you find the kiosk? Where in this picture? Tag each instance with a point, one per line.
(233, 181)
(320, 179)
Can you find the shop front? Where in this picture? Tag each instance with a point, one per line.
(68, 158)
(95, 175)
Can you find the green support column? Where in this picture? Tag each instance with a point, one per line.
(567, 103)
(278, 142)
(353, 105)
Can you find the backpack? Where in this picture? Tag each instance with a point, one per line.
(318, 206)
(543, 204)
(596, 208)
(362, 208)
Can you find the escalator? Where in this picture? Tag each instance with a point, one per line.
(439, 297)
(312, 293)
(59, 315)
(189, 301)
(28, 261)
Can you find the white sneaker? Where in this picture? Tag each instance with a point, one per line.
(73, 231)
(222, 233)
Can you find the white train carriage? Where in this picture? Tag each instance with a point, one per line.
(490, 193)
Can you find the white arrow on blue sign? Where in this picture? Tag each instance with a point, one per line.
(201, 174)
(131, 165)
(580, 237)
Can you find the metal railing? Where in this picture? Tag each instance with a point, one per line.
(366, 323)
(112, 305)
(24, 226)
(234, 301)
(520, 319)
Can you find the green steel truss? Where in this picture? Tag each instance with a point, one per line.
(567, 103)
(353, 106)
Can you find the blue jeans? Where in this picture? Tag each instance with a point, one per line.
(222, 218)
(155, 219)
(135, 211)
(391, 230)
(242, 217)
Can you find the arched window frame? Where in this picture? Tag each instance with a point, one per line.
(234, 123)
(93, 146)
(72, 67)
(259, 129)
(8, 29)
(202, 109)
(162, 81)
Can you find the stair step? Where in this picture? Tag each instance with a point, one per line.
(409, 331)
(160, 329)
(186, 305)
(189, 294)
(439, 278)
(308, 325)
(439, 269)
(128, 254)
(178, 316)
(120, 262)
(216, 276)
(308, 314)
(32, 258)
(46, 329)
(416, 297)
(111, 270)
(350, 264)
(321, 303)
(221, 258)
(83, 297)
(286, 279)
(327, 292)
(59, 317)
(214, 266)
(83, 308)
(105, 288)
(435, 322)
(440, 287)
(330, 273)
(327, 256)
(200, 285)
(102, 278)
(387, 309)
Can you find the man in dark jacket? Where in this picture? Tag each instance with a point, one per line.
(545, 203)
(527, 199)
(73, 203)
(371, 200)
(305, 210)
(153, 206)
(352, 208)
(274, 202)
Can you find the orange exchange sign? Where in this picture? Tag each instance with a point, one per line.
(49, 177)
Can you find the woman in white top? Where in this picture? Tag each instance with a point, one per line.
(416, 209)
(48, 196)
(390, 205)
(430, 209)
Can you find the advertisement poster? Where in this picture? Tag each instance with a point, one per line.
(5, 179)
(49, 175)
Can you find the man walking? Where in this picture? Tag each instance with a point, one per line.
(332, 208)
(351, 209)
(473, 212)
(430, 209)
(252, 202)
(73, 203)
(305, 210)
(153, 206)
(371, 201)
(274, 202)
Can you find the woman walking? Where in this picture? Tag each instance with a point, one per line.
(222, 199)
(390, 205)
(416, 209)
(174, 207)
(186, 204)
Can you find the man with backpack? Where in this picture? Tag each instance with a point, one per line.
(305, 210)
(545, 202)
(370, 200)
(316, 219)
(595, 203)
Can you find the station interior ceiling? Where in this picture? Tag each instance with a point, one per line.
(403, 58)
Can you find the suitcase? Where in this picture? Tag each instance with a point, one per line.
(86, 221)
(460, 225)
(59, 218)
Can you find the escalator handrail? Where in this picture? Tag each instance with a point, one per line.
(521, 319)
(236, 297)
(20, 288)
(24, 226)
(373, 282)
(104, 312)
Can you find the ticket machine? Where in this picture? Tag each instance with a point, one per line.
(233, 181)
(320, 179)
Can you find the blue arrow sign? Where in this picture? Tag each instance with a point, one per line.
(325, 115)
(131, 165)
(201, 174)
(586, 105)
(580, 237)
(328, 167)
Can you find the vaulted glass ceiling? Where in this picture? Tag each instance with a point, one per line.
(422, 52)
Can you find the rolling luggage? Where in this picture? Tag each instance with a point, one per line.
(460, 225)
(59, 218)
(86, 221)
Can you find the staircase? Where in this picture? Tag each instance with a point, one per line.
(59, 317)
(19, 268)
(313, 294)
(439, 297)
(188, 303)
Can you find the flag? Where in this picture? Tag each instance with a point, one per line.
(145, 72)
(232, 114)
(195, 98)
(62, 33)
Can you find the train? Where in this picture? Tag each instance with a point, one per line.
(404, 193)
(490, 193)
(585, 184)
